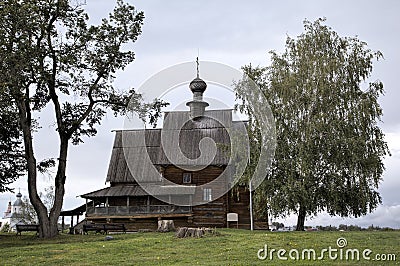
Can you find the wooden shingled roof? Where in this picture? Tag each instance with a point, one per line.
(145, 148)
(133, 190)
(136, 190)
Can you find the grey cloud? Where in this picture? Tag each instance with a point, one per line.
(237, 33)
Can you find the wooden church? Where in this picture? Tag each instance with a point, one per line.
(149, 183)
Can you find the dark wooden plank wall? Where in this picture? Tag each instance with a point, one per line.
(134, 201)
(130, 224)
(239, 202)
(175, 175)
(210, 214)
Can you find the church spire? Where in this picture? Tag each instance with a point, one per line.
(197, 86)
(7, 213)
(197, 63)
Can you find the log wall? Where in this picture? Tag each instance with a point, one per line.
(212, 214)
(239, 201)
(175, 175)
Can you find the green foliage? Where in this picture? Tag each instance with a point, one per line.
(5, 228)
(330, 149)
(262, 140)
(51, 57)
(28, 213)
(327, 228)
(12, 161)
(50, 53)
(278, 225)
(48, 196)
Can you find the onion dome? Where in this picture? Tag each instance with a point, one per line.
(198, 85)
(197, 105)
(18, 202)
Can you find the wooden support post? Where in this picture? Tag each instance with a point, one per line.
(251, 207)
(148, 204)
(127, 203)
(190, 203)
(62, 223)
(107, 205)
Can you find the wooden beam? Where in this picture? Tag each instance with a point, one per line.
(144, 216)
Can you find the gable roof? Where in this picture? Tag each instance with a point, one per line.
(180, 135)
(179, 132)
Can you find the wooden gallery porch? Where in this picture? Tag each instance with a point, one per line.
(132, 206)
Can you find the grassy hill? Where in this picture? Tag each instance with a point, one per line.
(231, 247)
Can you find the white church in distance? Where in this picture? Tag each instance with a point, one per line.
(13, 214)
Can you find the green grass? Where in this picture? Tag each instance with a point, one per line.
(232, 247)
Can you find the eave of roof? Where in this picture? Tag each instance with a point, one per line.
(136, 190)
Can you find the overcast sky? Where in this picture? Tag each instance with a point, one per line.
(236, 33)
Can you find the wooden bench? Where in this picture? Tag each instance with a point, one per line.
(27, 228)
(105, 228)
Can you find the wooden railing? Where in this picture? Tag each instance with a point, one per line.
(143, 209)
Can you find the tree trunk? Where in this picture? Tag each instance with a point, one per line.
(25, 122)
(48, 222)
(183, 232)
(301, 219)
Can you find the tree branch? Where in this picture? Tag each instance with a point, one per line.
(92, 102)
(52, 82)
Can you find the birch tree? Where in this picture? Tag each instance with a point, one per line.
(330, 148)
